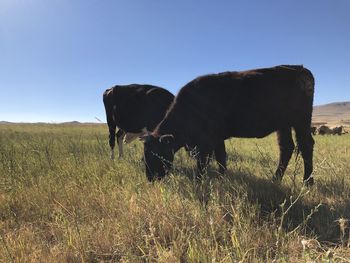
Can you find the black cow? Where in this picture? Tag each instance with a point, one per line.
(135, 109)
(337, 130)
(324, 129)
(249, 104)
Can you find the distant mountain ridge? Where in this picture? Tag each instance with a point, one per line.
(54, 123)
(5, 122)
(336, 113)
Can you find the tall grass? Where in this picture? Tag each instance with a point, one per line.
(63, 200)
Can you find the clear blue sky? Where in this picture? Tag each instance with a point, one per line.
(58, 56)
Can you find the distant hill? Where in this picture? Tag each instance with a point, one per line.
(5, 122)
(69, 123)
(335, 113)
(332, 114)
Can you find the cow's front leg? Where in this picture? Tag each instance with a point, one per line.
(112, 140)
(203, 160)
(221, 156)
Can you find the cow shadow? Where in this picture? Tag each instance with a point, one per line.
(260, 190)
(269, 197)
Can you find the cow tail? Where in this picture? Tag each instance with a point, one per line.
(108, 103)
(297, 152)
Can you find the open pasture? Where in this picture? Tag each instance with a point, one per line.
(63, 200)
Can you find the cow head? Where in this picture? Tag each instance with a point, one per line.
(158, 155)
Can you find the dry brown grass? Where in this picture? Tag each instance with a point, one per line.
(63, 200)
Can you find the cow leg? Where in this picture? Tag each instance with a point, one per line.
(306, 146)
(120, 135)
(220, 156)
(286, 146)
(203, 160)
(149, 174)
(112, 140)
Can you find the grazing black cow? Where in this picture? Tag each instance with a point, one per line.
(324, 130)
(253, 103)
(135, 109)
(337, 130)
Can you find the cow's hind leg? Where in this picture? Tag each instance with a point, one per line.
(112, 140)
(286, 145)
(120, 136)
(220, 156)
(306, 146)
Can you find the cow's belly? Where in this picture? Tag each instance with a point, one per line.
(252, 133)
(132, 125)
(256, 126)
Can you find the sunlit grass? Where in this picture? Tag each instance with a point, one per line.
(63, 200)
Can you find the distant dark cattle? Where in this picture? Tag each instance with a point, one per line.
(324, 130)
(135, 110)
(253, 103)
(337, 130)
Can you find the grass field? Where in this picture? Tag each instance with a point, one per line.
(63, 200)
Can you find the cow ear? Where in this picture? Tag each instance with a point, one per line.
(167, 139)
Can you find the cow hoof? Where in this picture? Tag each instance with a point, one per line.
(309, 182)
(277, 179)
(112, 154)
(222, 171)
